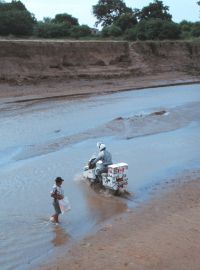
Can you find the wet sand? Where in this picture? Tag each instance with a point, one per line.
(163, 233)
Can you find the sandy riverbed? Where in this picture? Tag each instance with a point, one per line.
(161, 234)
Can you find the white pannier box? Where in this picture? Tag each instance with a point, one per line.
(117, 174)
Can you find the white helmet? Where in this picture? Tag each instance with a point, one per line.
(102, 147)
(98, 144)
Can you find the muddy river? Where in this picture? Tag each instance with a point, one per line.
(156, 131)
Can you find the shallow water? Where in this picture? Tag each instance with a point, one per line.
(42, 140)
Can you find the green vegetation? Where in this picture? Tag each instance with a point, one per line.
(65, 19)
(15, 19)
(189, 30)
(154, 29)
(155, 10)
(152, 22)
(51, 30)
(111, 31)
(108, 11)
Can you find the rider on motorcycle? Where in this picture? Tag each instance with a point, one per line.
(106, 158)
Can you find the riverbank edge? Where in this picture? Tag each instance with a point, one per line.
(72, 89)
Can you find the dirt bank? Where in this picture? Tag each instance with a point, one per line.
(46, 68)
(162, 234)
(33, 60)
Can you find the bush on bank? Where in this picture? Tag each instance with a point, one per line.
(111, 31)
(51, 30)
(60, 30)
(154, 29)
(80, 31)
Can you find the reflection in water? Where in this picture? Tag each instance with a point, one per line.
(101, 204)
(60, 236)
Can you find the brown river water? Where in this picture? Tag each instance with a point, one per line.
(156, 131)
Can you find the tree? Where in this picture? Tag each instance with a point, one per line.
(126, 21)
(65, 18)
(18, 5)
(155, 10)
(51, 30)
(58, 27)
(47, 20)
(108, 11)
(131, 34)
(78, 31)
(154, 29)
(195, 31)
(186, 26)
(15, 19)
(111, 31)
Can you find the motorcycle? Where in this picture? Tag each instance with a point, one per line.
(115, 179)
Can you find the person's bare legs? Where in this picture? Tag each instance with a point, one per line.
(55, 217)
